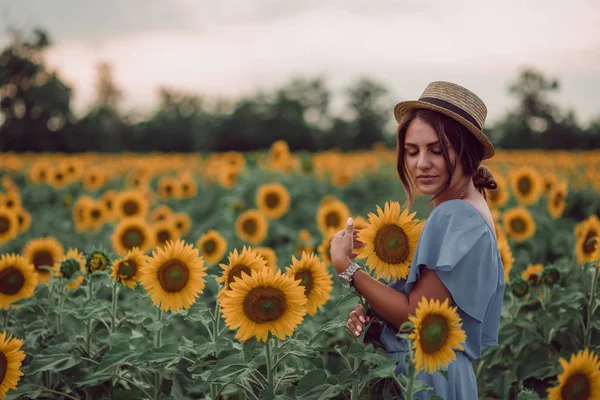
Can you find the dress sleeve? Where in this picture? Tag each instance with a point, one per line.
(457, 243)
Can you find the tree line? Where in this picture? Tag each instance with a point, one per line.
(36, 114)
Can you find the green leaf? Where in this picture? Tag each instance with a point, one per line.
(115, 356)
(333, 325)
(266, 394)
(154, 326)
(310, 381)
(52, 362)
(94, 379)
(379, 373)
(444, 373)
(356, 350)
(93, 309)
(228, 366)
(199, 312)
(435, 397)
(167, 354)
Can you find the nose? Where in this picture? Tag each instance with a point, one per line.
(423, 162)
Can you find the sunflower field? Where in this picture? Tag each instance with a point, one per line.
(208, 276)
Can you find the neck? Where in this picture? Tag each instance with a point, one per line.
(458, 191)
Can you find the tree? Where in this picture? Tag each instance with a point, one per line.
(35, 103)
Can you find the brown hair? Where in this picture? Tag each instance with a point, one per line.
(468, 149)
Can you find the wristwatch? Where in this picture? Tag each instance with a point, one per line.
(347, 275)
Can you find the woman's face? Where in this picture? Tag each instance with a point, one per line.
(424, 159)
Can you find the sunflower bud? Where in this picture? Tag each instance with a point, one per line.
(97, 260)
(520, 287)
(550, 276)
(69, 267)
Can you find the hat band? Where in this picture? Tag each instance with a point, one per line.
(451, 107)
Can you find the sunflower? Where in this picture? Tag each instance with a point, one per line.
(9, 225)
(11, 200)
(589, 235)
(265, 301)
(108, 201)
(44, 252)
(168, 187)
(131, 203)
(580, 378)
(97, 260)
(273, 200)
(315, 279)
(23, 220)
(95, 215)
(182, 223)
(228, 176)
(556, 200)
(72, 263)
(332, 215)
(212, 246)
(519, 224)
(252, 226)
(80, 214)
(506, 256)
(94, 178)
(325, 247)
(130, 233)
(241, 263)
(174, 276)
(160, 213)
(164, 231)
(549, 181)
(58, 177)
(437, 333)
(18, 279)
(526, 184)
(187, 186)
(127, 268)
(498, 197)
(390, 241)
(269, 255)
(533, 273)
(11, 359)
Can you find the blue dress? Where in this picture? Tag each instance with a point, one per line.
(460, 246)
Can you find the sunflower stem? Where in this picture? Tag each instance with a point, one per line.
(88, 326)
(157, 344)
(590, 311)
(115, 300)
(270, 368)
(215, 333)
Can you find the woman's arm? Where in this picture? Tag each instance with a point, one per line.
(393, 306)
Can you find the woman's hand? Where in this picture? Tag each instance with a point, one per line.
(342, 244)
(357, 321)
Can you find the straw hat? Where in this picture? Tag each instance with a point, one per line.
(457, 103)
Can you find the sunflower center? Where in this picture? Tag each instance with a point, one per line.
(209, 246)
(558, 199)
(4, 225)
(517, 225)
(3, 366)
(577, 387)
(524, 185)
(434, 333)
(589, 243)
(249, 226)
(95, 214)
(264, 304)
(533, 279)
(127, 269)
(272, 200)
(168, 189)
(20, 220)
(163, 236)
(185, 188)
(130, 207)
(10, 203)
(11, 281)
(179, 225)
(391, 244)
(43, 259)
(173, 275)
(236, 272)
(307, 281)
(332, 219)
(133, 237)
(98, 262)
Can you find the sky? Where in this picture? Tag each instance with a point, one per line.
(229, 49)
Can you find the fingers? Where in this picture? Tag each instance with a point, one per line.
(356, 321)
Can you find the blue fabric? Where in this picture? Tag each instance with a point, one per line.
(460, 246)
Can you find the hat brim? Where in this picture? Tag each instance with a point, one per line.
(405, 106)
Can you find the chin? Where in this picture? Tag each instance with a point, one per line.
(428, 190)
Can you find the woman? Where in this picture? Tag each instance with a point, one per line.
(440, 147)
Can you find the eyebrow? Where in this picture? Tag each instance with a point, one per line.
(428, 144)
